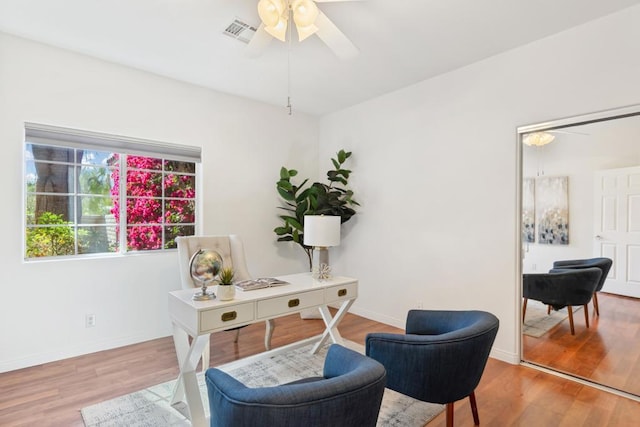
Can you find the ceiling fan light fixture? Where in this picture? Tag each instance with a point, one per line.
(538, 139)
(271, 11)
(279, 30)
(304, 32)
(305, 12)
(279, 16)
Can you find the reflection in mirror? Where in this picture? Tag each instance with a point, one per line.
(580, 200)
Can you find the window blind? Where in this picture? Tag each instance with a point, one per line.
(75, 138)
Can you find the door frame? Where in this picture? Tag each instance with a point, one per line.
(600, 116)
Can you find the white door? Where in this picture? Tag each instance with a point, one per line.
(617, 228)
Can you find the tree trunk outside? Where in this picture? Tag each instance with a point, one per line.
(54, 178)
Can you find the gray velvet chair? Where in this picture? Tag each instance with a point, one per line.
(348, 394)
(602, 263)
(562, 288)
(441, 357)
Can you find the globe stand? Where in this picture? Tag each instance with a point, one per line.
(203, 295)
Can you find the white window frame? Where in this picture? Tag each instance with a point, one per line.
(87, 140)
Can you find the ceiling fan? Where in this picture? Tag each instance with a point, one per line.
(276, 17)
(540, 138)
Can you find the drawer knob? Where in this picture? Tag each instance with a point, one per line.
(294, 302)
(342, 292)
(230, 315)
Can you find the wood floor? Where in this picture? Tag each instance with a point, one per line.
(508, 395)
(608, 352)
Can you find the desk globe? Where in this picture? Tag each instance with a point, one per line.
(204, 266)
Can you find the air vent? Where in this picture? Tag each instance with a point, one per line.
(240, 30)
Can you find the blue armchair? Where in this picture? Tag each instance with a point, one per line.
(349, 394)
(440, 359)
(603, 264)
(562, 288)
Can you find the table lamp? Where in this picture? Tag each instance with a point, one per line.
(322, 232)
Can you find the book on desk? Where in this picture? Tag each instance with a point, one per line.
(259, 283)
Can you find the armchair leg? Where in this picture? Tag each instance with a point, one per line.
(524, 308)
(474, 408)
(450, 414)
(595, 304)
(570, 311)
(586, 314)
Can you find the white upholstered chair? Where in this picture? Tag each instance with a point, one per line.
(231, 250)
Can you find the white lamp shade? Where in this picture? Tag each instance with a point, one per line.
(321, 230)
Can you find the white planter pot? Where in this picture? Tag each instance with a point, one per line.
(226, 292)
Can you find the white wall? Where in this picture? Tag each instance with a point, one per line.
(435, 170)
(598, 146)
(43, 304)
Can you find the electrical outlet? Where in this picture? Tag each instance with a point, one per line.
(420, 305)
(90, 320)
(534, 267)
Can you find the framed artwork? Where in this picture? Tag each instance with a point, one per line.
(552, 210)
(528, 211)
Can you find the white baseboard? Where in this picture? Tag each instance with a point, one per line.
(387, 320)
(73, 351)
(505, 356)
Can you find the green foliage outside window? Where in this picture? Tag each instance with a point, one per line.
(53, 238)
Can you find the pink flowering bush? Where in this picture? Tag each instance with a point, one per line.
(150, 183)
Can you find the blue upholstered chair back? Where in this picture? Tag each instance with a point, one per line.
(560, 287)
(349, 394)
(441, 357)
(604, 264)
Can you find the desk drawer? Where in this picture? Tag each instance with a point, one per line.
(289, 304)
(226, 316)
(340, 293)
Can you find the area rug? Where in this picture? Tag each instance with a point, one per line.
(150, 407)
(537, 322)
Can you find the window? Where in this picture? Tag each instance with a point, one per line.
(89, 193)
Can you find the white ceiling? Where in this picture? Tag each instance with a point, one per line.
(401, 42)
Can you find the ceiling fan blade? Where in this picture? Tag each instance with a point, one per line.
(567, 132)
(258, 43)
(334, 38)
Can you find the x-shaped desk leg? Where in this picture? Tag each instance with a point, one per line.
(332, 324)
(187, 384)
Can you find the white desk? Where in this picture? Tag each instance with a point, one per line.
(198, 319)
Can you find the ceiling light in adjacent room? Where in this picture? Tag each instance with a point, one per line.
(538, 139)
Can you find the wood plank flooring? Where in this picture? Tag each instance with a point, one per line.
(608, 352)
(508, 395)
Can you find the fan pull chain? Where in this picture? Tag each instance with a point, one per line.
(289, 107)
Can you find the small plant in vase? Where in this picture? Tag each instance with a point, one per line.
(226, 288)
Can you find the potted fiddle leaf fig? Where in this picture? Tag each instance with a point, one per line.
(298, 200)
(226, 288)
